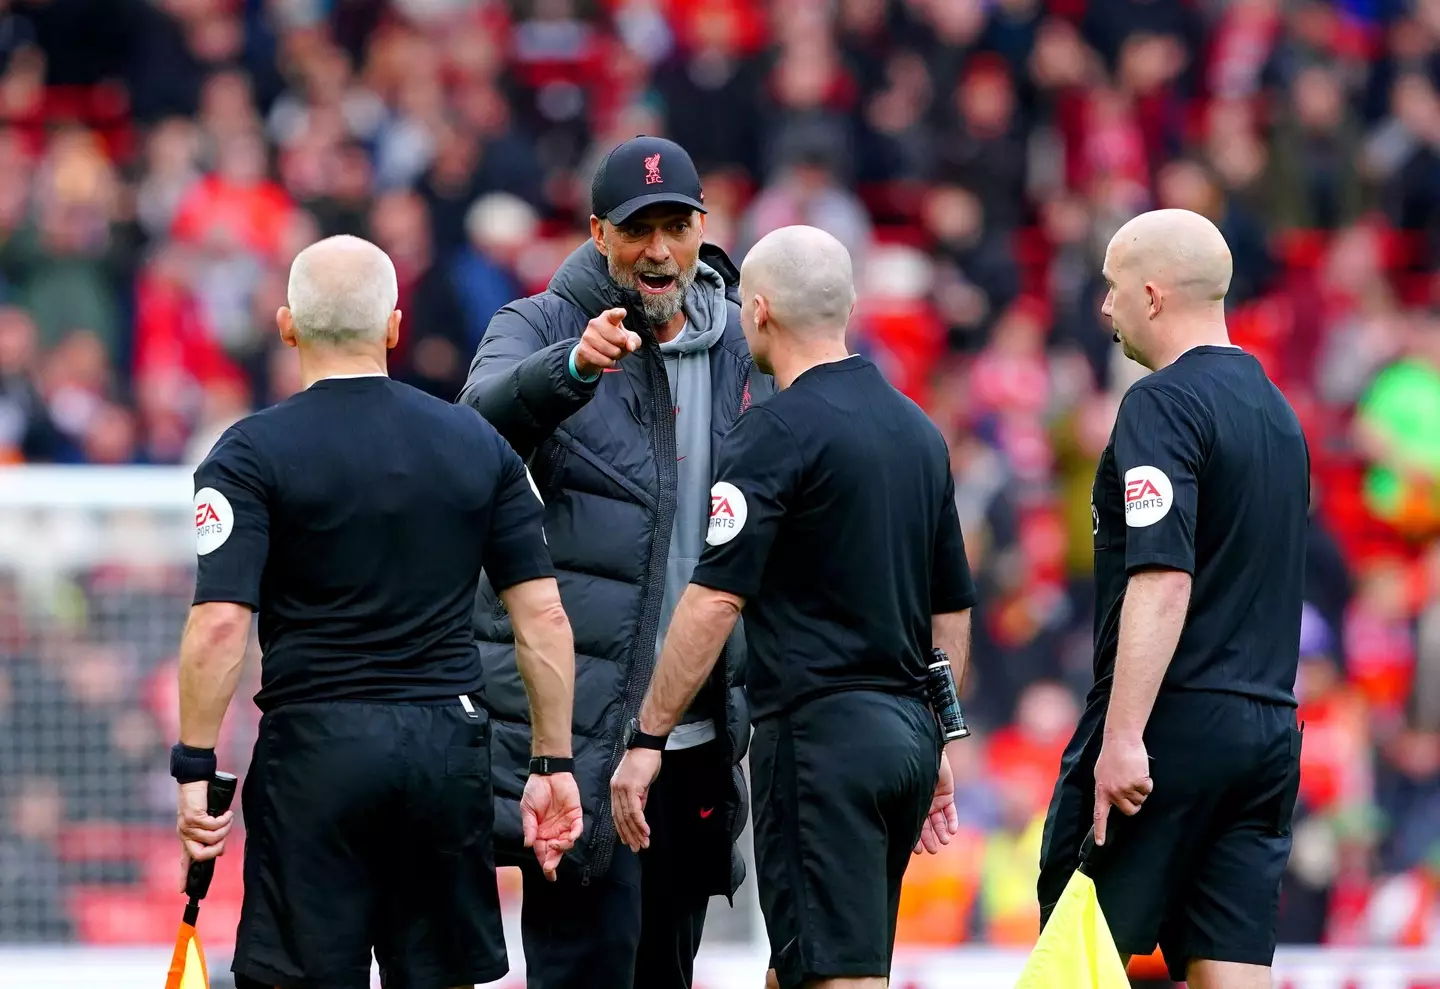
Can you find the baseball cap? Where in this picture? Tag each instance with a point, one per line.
(642, 172)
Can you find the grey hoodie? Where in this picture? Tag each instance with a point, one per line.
(687, 364)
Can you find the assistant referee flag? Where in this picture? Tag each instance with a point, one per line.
(187, 965)
(1075, 950)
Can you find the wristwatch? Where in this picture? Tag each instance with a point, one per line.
(637, 739)
(549, 765)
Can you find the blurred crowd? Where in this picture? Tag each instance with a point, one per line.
(162, 161)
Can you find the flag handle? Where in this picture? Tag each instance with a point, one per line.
(219, 794)
(1091, 854)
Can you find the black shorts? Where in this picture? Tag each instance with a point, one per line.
(368, 826)
(841, 786)
(1198, 869)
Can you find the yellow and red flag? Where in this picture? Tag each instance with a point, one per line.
(187, 965)
(1075, 950)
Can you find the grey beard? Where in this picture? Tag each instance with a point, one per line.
(658, 309)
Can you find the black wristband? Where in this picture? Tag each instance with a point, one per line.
(191, 765)
(637, 739)
(548, 765)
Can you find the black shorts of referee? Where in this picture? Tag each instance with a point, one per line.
(369, 825)
(1197, 870)
(842, 785)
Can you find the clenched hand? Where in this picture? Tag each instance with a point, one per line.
(202, 837)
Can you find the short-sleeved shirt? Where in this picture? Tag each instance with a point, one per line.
(1207, 471)
(356, 517)
(833, 515)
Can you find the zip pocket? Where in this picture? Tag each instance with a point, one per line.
(548, 464)
(1290, 792)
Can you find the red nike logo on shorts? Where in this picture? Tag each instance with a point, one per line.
(706, 812)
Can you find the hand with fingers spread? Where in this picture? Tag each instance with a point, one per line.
(202, 837)
(628, 789)
(551, 818)
(604, 342)
(942, 822)
(1122, 779)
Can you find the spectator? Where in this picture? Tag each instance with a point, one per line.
(466, 167)
(806, 191)
(60, 263)
(1315, 183)
(26, 432)
(31, 908)
(499, 227)
(981, 144)
(1404, 153)
(1398, 427)
(340, 207)
(808, 100)
(708, 94)
(1188, 185)
(977, 272)
(430, 354)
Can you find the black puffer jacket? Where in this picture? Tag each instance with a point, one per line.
(603, 457)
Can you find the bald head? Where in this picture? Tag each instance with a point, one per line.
(1181, 252)
(342, 291)
(806, 278)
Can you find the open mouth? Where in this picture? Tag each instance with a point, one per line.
(655, 284)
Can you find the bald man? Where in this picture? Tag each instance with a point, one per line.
(833, 525)
(355, 518)
(1199, 509)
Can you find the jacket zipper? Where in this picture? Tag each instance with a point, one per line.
(723, 725)
(642, 658)
(552, 464)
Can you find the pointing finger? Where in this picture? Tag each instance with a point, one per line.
(1102, 810)
(615, 316)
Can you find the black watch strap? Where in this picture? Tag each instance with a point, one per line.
(641, 740)
(549, 765)
(191, 765)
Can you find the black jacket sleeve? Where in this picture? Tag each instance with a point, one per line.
(522, 386)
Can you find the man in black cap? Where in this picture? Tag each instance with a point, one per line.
(616, 385)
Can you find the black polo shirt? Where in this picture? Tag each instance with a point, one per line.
(1207, 471)
(834, 517)
(355, 517)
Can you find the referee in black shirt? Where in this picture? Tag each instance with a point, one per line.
(1199, 508)
(833, 524)
(344, 517)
